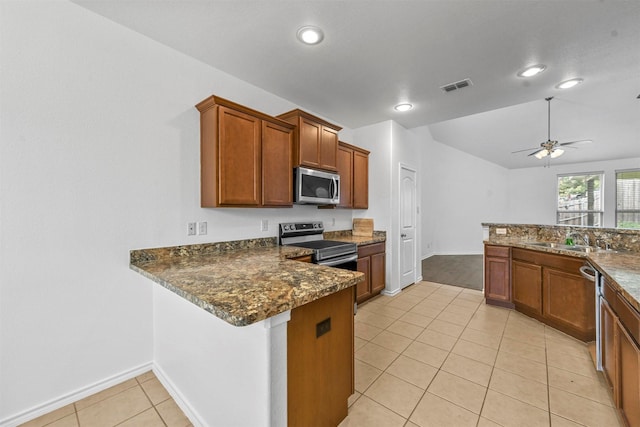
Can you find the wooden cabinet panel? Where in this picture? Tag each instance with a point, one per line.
(569, 302)
(277, 177)
(328, 150)
(320, 360)
(527, 287)
(345, 170)
(309, 141)
(497, 286)
(360, 180)
(371, 262)
(245, 156)
(608, 344)
(316, 142)
(628, 377)
(239, 157)
(353, 167)
(363, 292)
(378, 272)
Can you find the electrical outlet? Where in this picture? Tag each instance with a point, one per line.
(264, 225)
(191, 229)
(501, 231)
(202, 228)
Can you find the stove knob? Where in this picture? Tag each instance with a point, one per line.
(286, 227)
(292, 227)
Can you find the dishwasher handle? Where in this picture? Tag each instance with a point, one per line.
(588, 273)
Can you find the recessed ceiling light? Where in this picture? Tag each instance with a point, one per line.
(569, 83)
(532, 70)
(310, 35)
(403, 107)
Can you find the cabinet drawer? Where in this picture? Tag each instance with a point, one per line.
(497, 251)
(629, 317)
(610, 296)
(368, 250)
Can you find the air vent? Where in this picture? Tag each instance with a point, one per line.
(456, 85)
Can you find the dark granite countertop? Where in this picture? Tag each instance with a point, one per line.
(622, 269)
(346, 236)
(241, 282)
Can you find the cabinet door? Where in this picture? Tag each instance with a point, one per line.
(569, 300)
(497, 283)
(328, 150)
(608, 345)
(360, 180)
(345, 170)
(527, 287)
(320, 360)
(377, 273)
(628, 376)
(277, 176)
(309, 143)
(363, 291)
(239, 166)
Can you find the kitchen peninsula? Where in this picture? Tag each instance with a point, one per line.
(220, 323)
(541, 272)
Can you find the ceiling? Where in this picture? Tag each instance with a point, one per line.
(378, 53)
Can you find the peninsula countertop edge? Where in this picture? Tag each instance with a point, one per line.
(241, 282)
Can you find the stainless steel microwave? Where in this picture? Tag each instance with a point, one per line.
(314, 187)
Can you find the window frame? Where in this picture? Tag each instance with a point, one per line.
(599, 211)
(637, 211)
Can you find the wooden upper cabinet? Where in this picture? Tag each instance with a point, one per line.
(353, 168)
(316, 142)
(245, 156)
(345, 170)
(277, 176)
(360, 179)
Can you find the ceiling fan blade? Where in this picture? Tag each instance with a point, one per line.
(537, 151)
(582, 141)
(526, 149)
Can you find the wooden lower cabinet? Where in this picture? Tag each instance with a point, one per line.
(497, 276)
(371, 262)
(527, 287)
(608, 344)
(550, 288)
(569, 303)
(320, 364)
(628, 376)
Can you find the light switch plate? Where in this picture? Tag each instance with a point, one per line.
(501, 231)
(202, 228)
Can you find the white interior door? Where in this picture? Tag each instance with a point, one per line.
(407, 226)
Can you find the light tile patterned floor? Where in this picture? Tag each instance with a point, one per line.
(138, 402)
(437, 355)
(434, 355)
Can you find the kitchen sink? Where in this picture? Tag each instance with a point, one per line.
(575, 248)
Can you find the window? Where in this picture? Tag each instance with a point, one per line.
(628, 199)
(580, 199)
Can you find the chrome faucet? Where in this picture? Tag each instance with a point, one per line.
(586, 239)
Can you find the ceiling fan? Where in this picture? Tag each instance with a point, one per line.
(551, 148)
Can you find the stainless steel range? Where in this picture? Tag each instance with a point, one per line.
(325, 252)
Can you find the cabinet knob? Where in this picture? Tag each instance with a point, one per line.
(403, 235)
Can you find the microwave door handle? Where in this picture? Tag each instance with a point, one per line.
(334, 188)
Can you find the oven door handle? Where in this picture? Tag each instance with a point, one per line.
(338, 261)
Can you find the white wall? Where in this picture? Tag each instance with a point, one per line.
(99, 155)
(459, 192)
(532, 192)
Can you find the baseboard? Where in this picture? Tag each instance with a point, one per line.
(74, 396)
(188, 410)
(392, 293)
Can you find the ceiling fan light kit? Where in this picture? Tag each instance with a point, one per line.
(550, 148)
